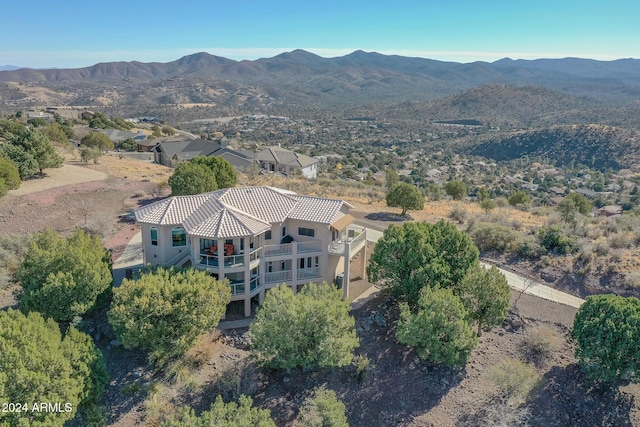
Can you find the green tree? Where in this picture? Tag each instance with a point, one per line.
(191, 178)
(405, 196)
(567, 208)
(40, 147)
(166, 310)
(323, 409)
(607, 330)
(487, 205)
(483, 194)
(168, 130)
(56, 132)
(220, 414)
(310, 329)
(97, 140)
(63, 278)
(224, 172)
(519, 198)
(438, 329)
(128, 144)
(9, 173)
(417, 254)
(391, 178)
(26, 163)
(456, 189)
(3, 188)
(582, 204)
(485, 295)
(40, 365)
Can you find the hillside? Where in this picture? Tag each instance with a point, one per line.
(597, 146)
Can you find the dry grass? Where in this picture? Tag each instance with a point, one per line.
(131, 168)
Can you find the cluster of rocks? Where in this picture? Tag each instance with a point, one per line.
(236, 339)
(365, 324)
(513, 321)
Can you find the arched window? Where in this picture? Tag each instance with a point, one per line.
(154, 236)
(178, 237)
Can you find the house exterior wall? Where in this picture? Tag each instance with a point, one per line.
(164, 251)
(310, 171)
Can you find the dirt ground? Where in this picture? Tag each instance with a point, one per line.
(397, 390)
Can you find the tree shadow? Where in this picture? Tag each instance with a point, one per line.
(388, 216)
(567, 398)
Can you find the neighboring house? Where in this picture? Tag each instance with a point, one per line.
(278, 159)
(610, 210)
(117, 135)
(242, 160)
(590, 194)
(255, 237)
(555, 201)
(171, 153)
(146, 145)
(559, 191)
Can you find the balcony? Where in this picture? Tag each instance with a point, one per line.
(278, 277)
(356, 238)
(278, 250)
(237, 288)
(308, 273)
(286, 249)
(255, 255)
(312, 246)
(229, 261)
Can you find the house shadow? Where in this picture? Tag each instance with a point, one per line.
(567, 398)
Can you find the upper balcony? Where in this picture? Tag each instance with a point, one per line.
(355, 239)
(287, 249)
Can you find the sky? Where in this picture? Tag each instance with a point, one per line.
(71, 33)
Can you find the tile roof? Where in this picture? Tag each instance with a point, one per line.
(285, 157)
(240, 211)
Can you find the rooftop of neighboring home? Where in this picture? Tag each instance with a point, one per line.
(188, 149)
(285, 157)
(117, 135)
(241, 211)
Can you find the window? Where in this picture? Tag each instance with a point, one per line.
(154, 236)
(178, 237)
(269, 267)
(302, 231)
(267, 235)
(284, 231)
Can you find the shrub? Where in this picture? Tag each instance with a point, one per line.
(493, 237)
(165, 311)
(456, 189)
(222, 414)
(310, 329)
(438, 329)
(458, 214)
(553, 239)
(323, 410)
(541, 341)
(513, 378)
(632, 280)
(529, 248)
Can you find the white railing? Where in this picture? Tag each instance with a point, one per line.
(336, 247)
(311, 246)
(208, 260)
(307, 273)
(278, 250)
(357, 240)
(254, 284)
(255, 254)
(234, 261)
(278, 276)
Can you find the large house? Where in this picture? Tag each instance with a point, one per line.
(255, 237)
(277, 159)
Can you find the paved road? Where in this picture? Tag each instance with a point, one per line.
(517, 282)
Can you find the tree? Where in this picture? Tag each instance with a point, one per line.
(63, 278)
(220, 414)
(438, 329)
(323, 409)
(487, 205)
(56, 132)
(483, 194)
(456, 189)
(97, 140)
(9, 174)
(391, 178)
(166, 310)
(310, 329)
(485, 295)
(223, 171)
(416, 255)
(582, 204)
(40, 147)
(26, 163)
(191, 178)
(405, 196)
(607, 330)
(567, 209)
(128, 144)
(3, 188)
(168, 130)
(39, 364)
(519, 198)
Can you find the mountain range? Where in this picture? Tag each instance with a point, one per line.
(362, 75)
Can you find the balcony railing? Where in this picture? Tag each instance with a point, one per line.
(229, 261)
(357, 236)
(278, 250)
(209, 260)
(234, 261)
(308, 273)
(255, 284)
(255, 254)
(278, 276)
(312, 246)
(237, 288)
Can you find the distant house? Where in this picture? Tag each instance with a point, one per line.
(587, 193)
(557, 190)
(610, 210)
(117, 135)
(146, 145)
(171, 153)
(556, 200)
(277, 159)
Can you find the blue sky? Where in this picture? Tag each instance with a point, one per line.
(70, 33)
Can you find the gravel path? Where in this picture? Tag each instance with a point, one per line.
(66, 175)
